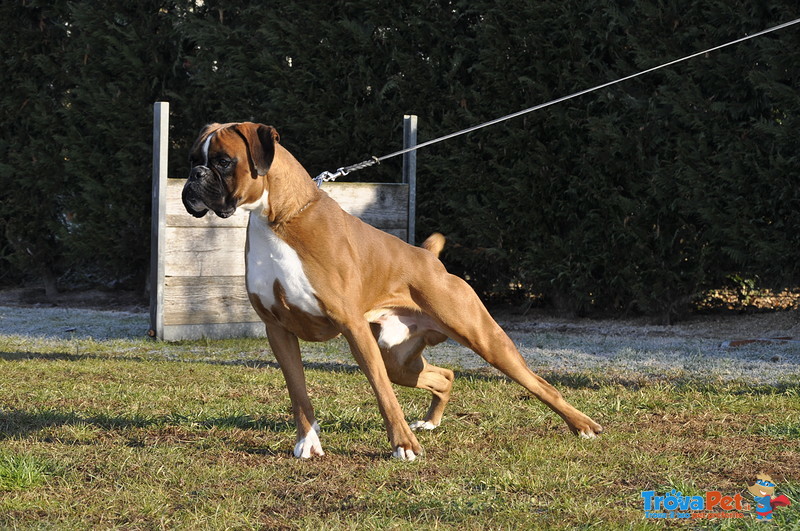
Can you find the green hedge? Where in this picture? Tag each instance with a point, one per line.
(634, 198)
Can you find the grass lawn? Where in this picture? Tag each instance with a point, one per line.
(140, 434)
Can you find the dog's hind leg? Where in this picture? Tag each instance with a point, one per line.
(439, 381)
(464, 318)
(406, 366)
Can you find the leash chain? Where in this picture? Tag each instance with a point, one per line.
(328, 176)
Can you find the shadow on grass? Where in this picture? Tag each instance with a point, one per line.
(16, 423)
(575, 380)
(252, 363)
(559, 380)
(48, 356)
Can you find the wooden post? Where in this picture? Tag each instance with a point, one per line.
(158, 213)
(410, 171)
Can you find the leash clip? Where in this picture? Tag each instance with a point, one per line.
(327, 176)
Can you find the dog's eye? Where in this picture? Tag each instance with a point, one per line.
(223, 163)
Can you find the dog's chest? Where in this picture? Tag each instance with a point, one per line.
(270, 260)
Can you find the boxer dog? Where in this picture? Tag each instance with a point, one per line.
(315, 272)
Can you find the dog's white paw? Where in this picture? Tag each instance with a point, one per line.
(404, 455)
(309, 445)
(591, 431)
(422, 425)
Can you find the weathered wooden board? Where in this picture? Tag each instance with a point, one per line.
(204, 252)
(198, 300)
(183, 332)
(381, 205)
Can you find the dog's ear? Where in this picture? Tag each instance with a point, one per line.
(260, 141)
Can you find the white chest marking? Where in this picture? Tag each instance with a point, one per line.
(269, 259)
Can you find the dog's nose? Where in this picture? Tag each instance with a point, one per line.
(198, 172)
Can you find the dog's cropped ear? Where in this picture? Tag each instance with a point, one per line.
(260, 141)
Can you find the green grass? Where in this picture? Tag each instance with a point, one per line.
(21, 471)
(198, 435)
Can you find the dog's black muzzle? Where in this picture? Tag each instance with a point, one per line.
(205, 191)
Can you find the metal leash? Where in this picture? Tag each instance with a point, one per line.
(341, 172)
(328, 176)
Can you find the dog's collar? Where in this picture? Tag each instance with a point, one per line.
(295, 214)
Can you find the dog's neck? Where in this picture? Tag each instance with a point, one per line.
(291, 189)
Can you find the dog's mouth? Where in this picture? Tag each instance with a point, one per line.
(228, 212)
(201, 195)
(198, 208)
(193, 204)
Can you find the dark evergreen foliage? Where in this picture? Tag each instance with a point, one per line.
(33, 193)
(121, 59)
(636, 197)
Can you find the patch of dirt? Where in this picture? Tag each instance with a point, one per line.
(94, 299)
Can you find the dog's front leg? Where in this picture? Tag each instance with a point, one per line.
(286, 349)
(368, 355)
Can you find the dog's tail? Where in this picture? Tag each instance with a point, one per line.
(434, 243)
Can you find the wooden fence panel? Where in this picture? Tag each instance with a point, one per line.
(199, 269)
(197, 272)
